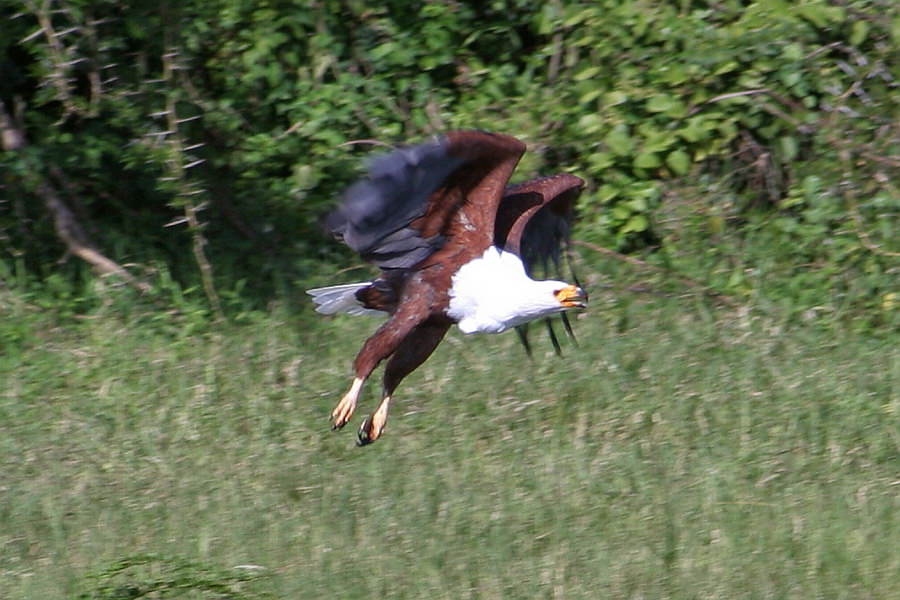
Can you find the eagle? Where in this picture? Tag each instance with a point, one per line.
(455, 244)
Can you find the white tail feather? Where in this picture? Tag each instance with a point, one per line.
(336, 299)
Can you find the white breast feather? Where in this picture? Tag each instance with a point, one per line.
(493, 293)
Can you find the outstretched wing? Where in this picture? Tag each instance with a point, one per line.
(534, 221)
(535, 218)
(420, 199)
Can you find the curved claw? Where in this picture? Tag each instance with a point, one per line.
(344, 409)
(341, 414)
(373, 425)
(364, 436)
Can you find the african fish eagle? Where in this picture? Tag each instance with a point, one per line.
(455, 244)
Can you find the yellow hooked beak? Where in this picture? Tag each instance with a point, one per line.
(572, 296)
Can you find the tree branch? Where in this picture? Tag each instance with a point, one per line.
(65, 223)
(72, 234)
(178, 167)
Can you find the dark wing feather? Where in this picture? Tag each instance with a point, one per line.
(415, 198)
(535, 218)
(534, 221)
(374, 215)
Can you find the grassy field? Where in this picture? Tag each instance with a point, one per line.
(681, 452)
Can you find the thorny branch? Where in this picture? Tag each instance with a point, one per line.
(179, 163)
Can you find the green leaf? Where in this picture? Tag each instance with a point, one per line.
(607, 192)
(727, 67)
(590, 123)
(657, 141)
(660, 103)
(669, 105)
(601, 160)
(635, 224)
(859, 32)
(637, 204)
(696, 129)
(589, 96)
(615, 97)
(675, 74)
(618, 141)
(621, 212)
(791, 78)
(812, 185)
(647, 160)
(588, 73)
(679, 162)
(736, 278)
(788, 146)
(792, 52)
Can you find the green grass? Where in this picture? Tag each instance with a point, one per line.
(680, 452)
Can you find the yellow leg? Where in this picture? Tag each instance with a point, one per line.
(373, 426)
(344, 409)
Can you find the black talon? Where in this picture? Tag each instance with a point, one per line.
(362, 436)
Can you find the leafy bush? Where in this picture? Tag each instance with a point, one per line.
(220, 131)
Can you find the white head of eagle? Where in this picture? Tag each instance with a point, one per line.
(493, 293)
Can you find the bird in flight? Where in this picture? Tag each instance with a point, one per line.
(455, 244)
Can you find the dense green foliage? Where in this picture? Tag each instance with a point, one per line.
(769, 124)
